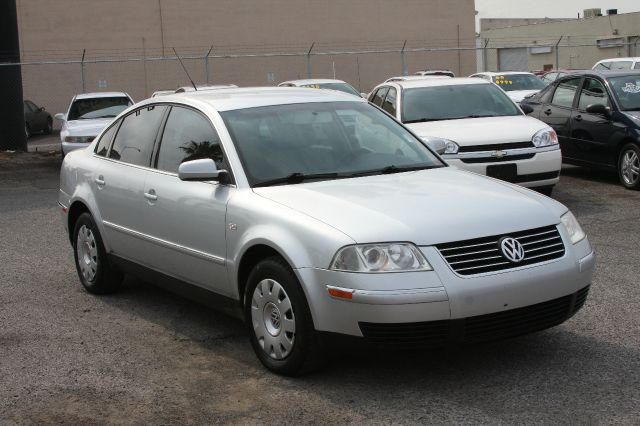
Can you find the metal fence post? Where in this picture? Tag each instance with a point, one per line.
(206, 64)
(557, 48)
(309, 60)
(404, 65)
(82, 71)
(484, 55)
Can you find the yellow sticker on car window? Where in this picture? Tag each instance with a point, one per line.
(312, 86)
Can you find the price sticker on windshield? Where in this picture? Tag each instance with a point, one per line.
(500, 79)
(631, 88)
(312, 86)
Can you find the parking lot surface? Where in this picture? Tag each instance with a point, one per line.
(147, 356)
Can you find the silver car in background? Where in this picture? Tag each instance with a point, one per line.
(310, 213)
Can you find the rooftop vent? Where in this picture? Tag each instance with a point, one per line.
(592, 13)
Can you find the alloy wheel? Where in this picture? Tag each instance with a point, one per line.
(87, 253)
(630, 167)
(273, 319)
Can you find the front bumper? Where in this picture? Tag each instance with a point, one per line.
(441, 295)
(541, 169)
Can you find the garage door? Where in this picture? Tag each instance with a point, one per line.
(513, 59)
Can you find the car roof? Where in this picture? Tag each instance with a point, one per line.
(101, 95)
(415, 77)
(202, 87)
(435, 82)
(311, 81)
(629, 58)
(492, 74)
(253, 97)
(605, 73)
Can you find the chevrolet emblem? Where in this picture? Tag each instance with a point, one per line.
(499, 154)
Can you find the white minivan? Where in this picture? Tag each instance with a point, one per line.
(475, 126)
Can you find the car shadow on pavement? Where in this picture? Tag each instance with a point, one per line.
(591, 174)
(557, 375)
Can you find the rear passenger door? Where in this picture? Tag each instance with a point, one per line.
(556, 112)
(187, 220)
(119, 181)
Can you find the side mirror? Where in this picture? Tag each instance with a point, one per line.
(41, 109)
(59, 116)
(202, 170)
(438, 145)
(364, 95)
(599, 109)
(527, 109)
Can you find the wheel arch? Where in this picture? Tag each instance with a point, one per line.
(75, 210)
(249, 259)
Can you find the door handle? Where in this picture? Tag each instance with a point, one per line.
(100, 180)
(547, 111)
(151, 195)
(578, 118)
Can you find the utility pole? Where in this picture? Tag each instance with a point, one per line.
(12, 124)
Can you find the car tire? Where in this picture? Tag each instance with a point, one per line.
(279, 320)
(545, 190)
(49, 128)
(97, 274)
(629, 166)
(27, 131)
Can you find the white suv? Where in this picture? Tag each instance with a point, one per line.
(615, 64)
(477, 127)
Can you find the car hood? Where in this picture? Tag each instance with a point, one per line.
(86, 127)
(633, 114)
(519, 95)
(481, 131)
(425, 207)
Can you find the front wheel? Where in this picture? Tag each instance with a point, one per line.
(96, 273)
(629, 166)
(279, 321)
(49, 128)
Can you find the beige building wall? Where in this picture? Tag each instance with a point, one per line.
(580, 34)
(118, 29)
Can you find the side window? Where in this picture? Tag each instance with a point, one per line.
(389, 104)
(548, 78)
(134, 141)
(103, 144)
(603, 66)
(379, 96)
(637, 66)
(593, 92)
(32, 106)
(566, 92)
(188, 135)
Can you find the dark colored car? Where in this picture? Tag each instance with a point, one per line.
(596, 115)
(36, 119)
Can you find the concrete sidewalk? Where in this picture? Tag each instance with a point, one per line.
(44, 143)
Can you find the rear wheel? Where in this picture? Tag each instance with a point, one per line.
(629, 166)
(279, 321)
(96, 273)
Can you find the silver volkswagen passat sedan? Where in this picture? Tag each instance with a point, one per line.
(311, 213)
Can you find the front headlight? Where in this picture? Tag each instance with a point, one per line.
(440, 145)
(79, 139)
(545, 137)
(388, 257)
(573, 227)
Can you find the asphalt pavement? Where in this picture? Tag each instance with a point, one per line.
(145, 356)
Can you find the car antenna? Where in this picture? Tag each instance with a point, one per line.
(185, 69)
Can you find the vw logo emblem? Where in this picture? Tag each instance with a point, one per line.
(512, 249)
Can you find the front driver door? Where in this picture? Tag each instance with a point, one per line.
(595, 135)
(187, 220)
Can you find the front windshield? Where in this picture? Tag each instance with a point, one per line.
(627, 90)
(330, 140)
(85, 109)
(510, 82)
(455, 102)
(342, 87)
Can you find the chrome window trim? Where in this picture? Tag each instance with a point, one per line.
(167, 244)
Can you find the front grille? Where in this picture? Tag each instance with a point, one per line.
(497, 159)
(482, 328)
(482, 255)
(496, 146)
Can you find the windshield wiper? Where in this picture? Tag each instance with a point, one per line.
(297, 177)
(393, 169)
(478, 116)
